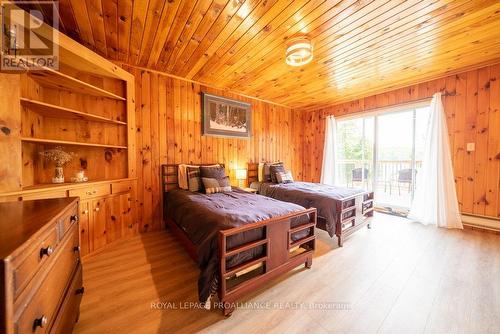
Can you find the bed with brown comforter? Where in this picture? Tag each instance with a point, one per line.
(202, 216)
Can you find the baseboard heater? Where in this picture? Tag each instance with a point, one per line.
(483, 222)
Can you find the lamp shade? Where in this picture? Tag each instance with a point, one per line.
(241, 174)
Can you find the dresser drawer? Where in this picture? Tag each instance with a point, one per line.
(39, 313)
(348, 225)
(121, 187)
(69, 311)
(38, 256)
(68, 218)
(90, 192)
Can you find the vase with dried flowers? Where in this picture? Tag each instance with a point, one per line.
(60, 159)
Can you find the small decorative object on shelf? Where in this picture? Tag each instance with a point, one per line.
(79, 177)
(60, 158)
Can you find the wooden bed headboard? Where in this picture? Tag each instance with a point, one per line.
(169, 175)
(252, 173)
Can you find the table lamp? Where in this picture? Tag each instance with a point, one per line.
(241, 175)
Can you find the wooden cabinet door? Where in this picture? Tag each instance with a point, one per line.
(129, 227)
(120, 220)
(85, 235)
(114, 219)
(99, 208)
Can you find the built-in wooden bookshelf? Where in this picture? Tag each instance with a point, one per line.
(81, 116)
(87, 107)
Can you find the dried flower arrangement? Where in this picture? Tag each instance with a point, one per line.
(60, 158)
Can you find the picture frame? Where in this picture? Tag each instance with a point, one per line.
(224, 117)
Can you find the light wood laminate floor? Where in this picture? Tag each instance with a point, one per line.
(398, 277)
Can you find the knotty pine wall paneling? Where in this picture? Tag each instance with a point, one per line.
(473, 116)
(168, 120)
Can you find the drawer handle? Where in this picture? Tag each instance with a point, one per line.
(76, 249)
(73, 219)
(46, 251)
(96, 209)
(88, 192)
(80, 291)
(40, 322)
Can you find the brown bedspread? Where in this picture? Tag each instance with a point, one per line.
(202, 216)
(310, 195)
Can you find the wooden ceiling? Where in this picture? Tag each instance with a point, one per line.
(360, 47)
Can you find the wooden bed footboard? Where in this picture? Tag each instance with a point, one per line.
(279, 256)
(353, 213)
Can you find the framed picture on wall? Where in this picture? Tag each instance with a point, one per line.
(223, 117)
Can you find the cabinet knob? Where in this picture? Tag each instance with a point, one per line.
(80, 291)
(94, 191)
(73, 218)
(85, 212)
(76, 249)
(46, 251)
(40, 322)
(88, 192)
(96, 209)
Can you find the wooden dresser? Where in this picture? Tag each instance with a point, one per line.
(41, 274)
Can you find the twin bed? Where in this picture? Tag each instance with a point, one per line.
(241, 240)
(341, 211)
(238, 239)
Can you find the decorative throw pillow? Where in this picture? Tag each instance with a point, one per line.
(213, 186)
(284, 177)
(194, 180)
(276, 169)
(182, 178)
(267, 170)
(213, 172)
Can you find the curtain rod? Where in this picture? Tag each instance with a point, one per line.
(394, 106)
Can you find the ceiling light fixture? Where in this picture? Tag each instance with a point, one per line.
(299, 51)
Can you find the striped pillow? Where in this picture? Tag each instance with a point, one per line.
(194, 180)
(213, 186)
(284, 177)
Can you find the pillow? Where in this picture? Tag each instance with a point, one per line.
(276, 169)
(267, 172)
(260, 172)
(284, 177)
(213, 172)
(213, 186)
(194, 180)
(182, 178)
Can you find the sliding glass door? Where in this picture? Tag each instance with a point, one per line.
(382, 152)
(354, 156)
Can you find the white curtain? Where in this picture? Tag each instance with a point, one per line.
(435, 197)
(328, 168)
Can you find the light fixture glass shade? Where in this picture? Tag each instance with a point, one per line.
(299, 52)
(241, 174)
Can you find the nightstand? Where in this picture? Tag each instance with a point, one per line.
(249, 190)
